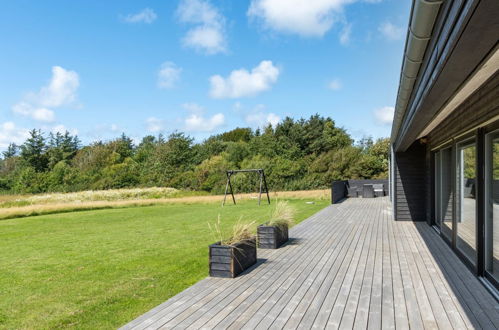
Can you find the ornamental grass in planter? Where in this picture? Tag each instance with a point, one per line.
(231, 256)
(274, 233)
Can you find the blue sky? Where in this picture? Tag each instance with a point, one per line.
(99, 68)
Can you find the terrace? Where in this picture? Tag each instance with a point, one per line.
(349, 265)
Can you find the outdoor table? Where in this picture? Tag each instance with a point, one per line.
(368, 191)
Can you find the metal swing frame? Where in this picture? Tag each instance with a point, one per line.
(263, 184)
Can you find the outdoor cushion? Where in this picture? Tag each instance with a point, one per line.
(368, 191)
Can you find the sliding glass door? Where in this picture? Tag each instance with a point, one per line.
(466, 202)
(443, 192)
(492, 207)
(438, 191)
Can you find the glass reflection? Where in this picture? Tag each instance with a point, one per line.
(492, 224)
(466, 222)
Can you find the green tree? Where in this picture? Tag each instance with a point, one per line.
(123, 146)
(11, 151)
(237, 135)
(120, 175)
(237, 152)
(145, 148)
(59, 178)
(33, 151)
(168, 160)
(29, 180)
(61, 147)
(295, 154)
(211, 174)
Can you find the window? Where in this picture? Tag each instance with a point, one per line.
(443, 192)
(492, 207)
(466, 200)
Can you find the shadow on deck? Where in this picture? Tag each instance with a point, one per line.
(349, 265)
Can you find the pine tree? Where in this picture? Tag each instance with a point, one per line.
(33, 151)
(11, 151)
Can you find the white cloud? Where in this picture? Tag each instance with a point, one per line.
(114, 128)
(103, 131)
(154, 124)
(43, 114)
(205, 38)
(105, 128)
(208, 34)
(391, 31)
(193, 108)
(307, 18)
(242, 83)
(9, 133)
(168, 75)
(60, 91)
(63, 129)
(8, 126)
(334, 84)
(345, 34)
(146, 15)
(258, 118)
(273, 119)
(384, 116)
(198, 123)
(28, 110)
(38, 114)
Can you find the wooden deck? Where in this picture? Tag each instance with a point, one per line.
(348, 266)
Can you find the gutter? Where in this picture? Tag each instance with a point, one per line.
(423, 17)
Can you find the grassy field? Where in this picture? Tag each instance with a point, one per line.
(101, 268)
(18, 206)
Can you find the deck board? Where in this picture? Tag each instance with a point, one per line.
(348, 266)
(399, 301)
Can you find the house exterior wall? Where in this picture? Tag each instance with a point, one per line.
(444, 176)
(480, 108)
(409, 189)
(464, 34)
(413, 179)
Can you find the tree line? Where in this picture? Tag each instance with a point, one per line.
(295, 154)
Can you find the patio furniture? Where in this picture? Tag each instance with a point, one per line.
(368, 191)
(352, 191)
(379, 190)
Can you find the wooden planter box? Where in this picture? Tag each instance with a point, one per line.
(230, 261)
(271, 237)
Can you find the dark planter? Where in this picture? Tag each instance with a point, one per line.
(231, 260)
(271, 237)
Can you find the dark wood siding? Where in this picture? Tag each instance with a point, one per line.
(410, 176)
(480, 107)
(429, 182)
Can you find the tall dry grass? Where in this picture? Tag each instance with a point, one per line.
(283, 215)
(47, 206)
(90, 196)
(240, 231)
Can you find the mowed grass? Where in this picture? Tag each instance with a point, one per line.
(102, 268)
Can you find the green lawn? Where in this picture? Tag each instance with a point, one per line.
(101, 269)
